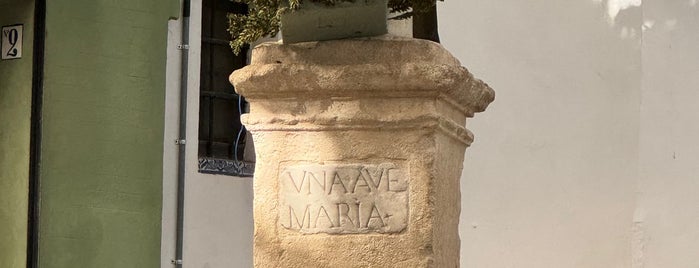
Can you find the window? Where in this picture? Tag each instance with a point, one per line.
(223, 147)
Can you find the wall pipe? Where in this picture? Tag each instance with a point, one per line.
(182, 137)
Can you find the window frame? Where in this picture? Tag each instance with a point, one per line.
(240, 162)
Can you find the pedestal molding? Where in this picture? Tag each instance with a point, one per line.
(447, 126)
(451, 83)
(339, 68)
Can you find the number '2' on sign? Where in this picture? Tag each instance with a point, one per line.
(11, 42)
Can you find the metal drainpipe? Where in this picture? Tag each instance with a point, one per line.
(184, 47)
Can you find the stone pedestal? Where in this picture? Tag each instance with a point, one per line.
(360, 145)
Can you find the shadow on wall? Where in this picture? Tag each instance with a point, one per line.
(660, 20)
(622, 15)
(618, 15)
(614, 7)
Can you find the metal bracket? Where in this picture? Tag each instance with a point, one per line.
(180, 142)
(176, 262)
(183, 46)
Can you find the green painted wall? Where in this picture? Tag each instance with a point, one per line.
(101, 165)
(15, 121)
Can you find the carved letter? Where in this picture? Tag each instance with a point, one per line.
(365, 184)
(337, 181)
(306, 216)
(297, 186)
(313, 175)
(376, 215)
(373, 183)
(398, 185)
(359, 214)
(324, 214)
(345, 215)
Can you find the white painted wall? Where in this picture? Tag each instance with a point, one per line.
(668, 193)
(588, 157)
(218, 209)
(172, 106)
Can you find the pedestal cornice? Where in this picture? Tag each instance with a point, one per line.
(373, 67)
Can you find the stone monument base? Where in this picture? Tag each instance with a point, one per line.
(360, 145)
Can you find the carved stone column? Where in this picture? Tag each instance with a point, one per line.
(360, 145)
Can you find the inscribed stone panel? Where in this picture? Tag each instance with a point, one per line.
(344, 198)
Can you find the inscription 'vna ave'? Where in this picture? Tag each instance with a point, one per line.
(345, 180)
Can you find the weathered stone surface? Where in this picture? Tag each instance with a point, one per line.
(379, 67)
(358, 108)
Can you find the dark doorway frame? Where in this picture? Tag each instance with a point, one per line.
(35, 133)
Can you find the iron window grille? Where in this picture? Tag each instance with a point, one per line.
(223, 140)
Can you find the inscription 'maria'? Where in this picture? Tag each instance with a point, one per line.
(344, 198)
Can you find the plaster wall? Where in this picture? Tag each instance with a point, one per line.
(218, 209)
(665, 223)
(102, 147)
(170, 149)
(15, 121)
(587, 158)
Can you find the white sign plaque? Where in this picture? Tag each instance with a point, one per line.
(11, 42)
